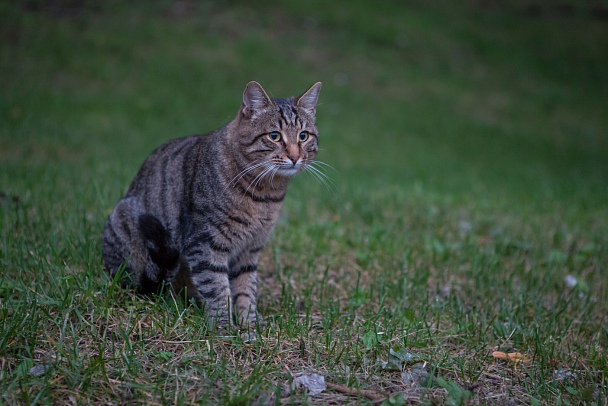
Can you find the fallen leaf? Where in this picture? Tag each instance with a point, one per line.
(314, 383)
(412, 366)
(512, 356)
(416, 375)
(400, 358)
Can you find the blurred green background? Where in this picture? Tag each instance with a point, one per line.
(469, 141)
(469, 98)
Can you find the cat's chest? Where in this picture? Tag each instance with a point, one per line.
(254, 226)
(241, 228)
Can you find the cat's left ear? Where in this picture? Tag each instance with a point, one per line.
(309, 99)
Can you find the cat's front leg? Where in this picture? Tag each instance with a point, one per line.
(212, 287)
(244, 291)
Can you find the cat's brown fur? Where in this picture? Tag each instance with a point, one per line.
(201, 208)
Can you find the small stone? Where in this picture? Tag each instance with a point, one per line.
(562, 375)
(39, 370)
(570, 281)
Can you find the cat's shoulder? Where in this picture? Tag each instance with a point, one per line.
(177, 145)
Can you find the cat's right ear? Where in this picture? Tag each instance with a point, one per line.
(309, 99)
(254, 98)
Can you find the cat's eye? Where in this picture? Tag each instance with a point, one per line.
(303, 136)
(274, 136)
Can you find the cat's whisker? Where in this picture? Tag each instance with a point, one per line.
(256, 181)
(320, 165)
(325, 183)
(274, 172)
(321, 177)
(253, 182)
(267, 171)
(324, 164)
(245, 171)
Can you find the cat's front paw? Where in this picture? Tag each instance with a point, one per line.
(220, 319)
(251, 320)
(220, 323)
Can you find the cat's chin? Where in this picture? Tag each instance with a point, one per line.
(289, 172)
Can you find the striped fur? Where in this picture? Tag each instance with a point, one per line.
(201, 208)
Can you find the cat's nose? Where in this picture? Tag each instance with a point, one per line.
(293, 156)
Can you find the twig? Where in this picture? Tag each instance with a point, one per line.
(372, 395)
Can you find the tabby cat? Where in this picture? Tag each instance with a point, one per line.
(201, 208)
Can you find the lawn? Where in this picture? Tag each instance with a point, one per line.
(467, 215)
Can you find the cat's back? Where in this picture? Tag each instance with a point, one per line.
(162, 177)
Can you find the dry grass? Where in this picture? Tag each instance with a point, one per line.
(468, 214)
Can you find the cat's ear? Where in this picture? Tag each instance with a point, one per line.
(309, 99)
(254, 98)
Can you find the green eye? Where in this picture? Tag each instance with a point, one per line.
(274, 136)
(303, 136)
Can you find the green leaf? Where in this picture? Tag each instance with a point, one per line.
(456, 395)
(24, 368)
(557, 257)
(410, 315)
(397, 400)
(357, 299)
(362, 258)
(399, 358)
(165, 355)
(587, 250)
(370, 339)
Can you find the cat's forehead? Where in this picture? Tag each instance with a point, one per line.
(282, 114)
(290, 115)
(287, 112)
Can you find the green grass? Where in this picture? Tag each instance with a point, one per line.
(469, 144)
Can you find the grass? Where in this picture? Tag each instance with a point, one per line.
(469, 146)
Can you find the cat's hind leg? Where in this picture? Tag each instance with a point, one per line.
(164, 259)
(141, 245)
(122, 249)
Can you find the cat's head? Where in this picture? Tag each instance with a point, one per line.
(281, 135)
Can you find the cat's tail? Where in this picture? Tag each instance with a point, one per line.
(164, 256)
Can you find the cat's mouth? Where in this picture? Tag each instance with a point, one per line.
(289, 168)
